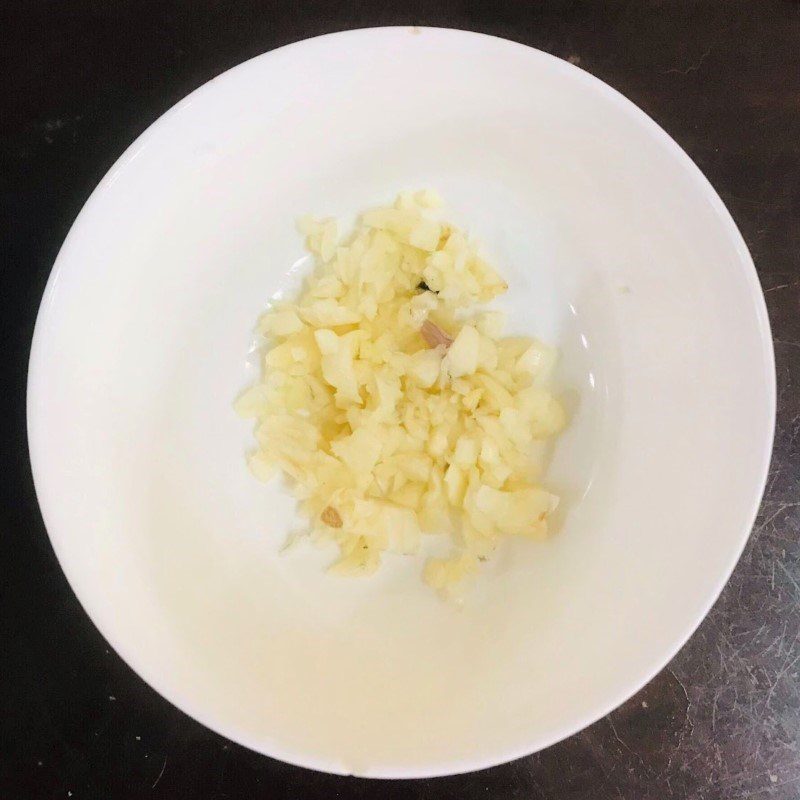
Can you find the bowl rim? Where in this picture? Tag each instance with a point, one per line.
(659, 661)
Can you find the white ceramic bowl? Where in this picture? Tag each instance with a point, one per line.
(616, 249)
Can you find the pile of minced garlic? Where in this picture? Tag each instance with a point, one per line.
(393, 402)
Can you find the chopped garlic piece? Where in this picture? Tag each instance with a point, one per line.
(395, 406)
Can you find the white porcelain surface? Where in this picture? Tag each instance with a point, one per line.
(616, 249)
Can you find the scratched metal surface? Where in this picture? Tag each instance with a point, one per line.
(723, 720)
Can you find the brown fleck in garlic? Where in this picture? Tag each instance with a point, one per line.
(330, 516)
(434, 335)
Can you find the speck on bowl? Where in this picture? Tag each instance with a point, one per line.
(616, 249)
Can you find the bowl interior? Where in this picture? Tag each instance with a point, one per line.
(616, 250)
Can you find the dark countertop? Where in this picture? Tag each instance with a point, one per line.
(84, 78)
